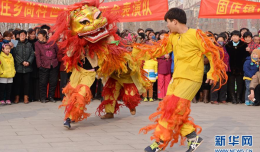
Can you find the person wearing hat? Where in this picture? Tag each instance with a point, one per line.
(251, 66)
(148, 30)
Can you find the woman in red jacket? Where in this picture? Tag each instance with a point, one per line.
(47, 62)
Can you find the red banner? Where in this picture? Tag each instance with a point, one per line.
(16, 11)
(235, 9)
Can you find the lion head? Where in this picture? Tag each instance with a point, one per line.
(88, 22)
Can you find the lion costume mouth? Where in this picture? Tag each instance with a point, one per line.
(95, 35)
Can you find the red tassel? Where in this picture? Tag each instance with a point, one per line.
(108, 91)
(131, 101)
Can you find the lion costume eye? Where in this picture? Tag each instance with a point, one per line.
(84, 21)
(97, 15)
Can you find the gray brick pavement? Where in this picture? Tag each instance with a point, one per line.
(38, 127)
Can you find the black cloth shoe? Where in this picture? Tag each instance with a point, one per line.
(194, 144)
(52, 100)
(234, 101)
(67, 123)
(43, 101)
(238, 100)
(153, 148)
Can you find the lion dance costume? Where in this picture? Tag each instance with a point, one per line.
(92, 47)
(172, 120)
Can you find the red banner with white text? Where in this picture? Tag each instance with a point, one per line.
(233, 9)
(16, 11)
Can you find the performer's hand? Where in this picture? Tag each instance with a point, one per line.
(210, 81)
(247, 49)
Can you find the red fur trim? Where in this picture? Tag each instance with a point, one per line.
(176, 116)
(100, 110)
(108, 91)
(75, 103)
(113, 58)
(131, 101)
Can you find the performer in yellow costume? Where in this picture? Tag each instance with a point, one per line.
(92, 47)
(171, 120)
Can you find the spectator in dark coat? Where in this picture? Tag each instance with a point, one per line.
(23, 57)
(237, 56)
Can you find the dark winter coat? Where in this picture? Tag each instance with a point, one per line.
(23, 52)
(237, 56)
(35, 73)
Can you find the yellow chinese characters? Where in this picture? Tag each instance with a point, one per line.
(115, 9)
(18, 8)
(146, 7)
(29, 9)
(137, 8)
(55, 11)
(42, 9)
(126, 9)
(235, 8)
(222, 6)
(103, 8)
(249, 9)
(5, 8)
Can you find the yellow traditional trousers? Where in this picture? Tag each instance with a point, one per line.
(78, 94)
(185, 89)
(119, 88)
(172, 116)
(110, 108)
(83, 77)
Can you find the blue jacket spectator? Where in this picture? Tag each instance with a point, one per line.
(250, 68)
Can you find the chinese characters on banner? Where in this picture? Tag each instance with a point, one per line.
(236, 9)
(16, 11)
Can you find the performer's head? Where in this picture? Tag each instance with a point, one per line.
(175, 18)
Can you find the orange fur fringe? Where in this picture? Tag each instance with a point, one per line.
(219, 66)
(155, 50)
(175, 111)
(75, 103)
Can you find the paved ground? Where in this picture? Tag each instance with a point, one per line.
(38, 127)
